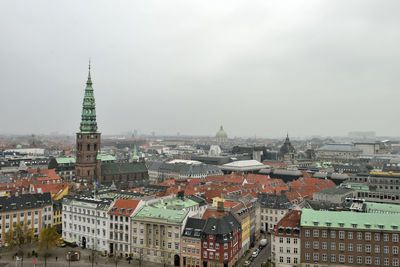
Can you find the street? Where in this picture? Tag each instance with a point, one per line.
(263, 255)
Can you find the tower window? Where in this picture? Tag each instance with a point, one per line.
(88, 147)
(95, 147)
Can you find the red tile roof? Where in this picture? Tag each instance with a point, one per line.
(124, 207)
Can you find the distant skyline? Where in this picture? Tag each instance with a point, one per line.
(260, 68)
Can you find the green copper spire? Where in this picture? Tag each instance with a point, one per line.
(88, 123)
(135, 157)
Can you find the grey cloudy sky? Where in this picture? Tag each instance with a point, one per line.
(259, 67)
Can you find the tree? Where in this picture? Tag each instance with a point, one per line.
(18, 237)
(47, 240)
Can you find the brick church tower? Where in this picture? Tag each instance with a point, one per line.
(87, 167)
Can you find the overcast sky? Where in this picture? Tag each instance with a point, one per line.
(258, 67)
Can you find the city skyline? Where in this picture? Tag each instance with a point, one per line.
(264, 69)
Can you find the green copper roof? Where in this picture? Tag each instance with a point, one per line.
(350, 220)
(135, 156)
(373, 207)
(163, 214)
(105, 157)
(176, 204)
(65, 160)
(88, 123)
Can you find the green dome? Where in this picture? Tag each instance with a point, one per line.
(221, 133)
(18, 146)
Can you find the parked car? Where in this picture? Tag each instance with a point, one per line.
(255, 254)
(246, 263)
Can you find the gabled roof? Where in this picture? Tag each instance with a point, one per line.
(122, 168)
(124, 207)
(194, 227)
(222, 227)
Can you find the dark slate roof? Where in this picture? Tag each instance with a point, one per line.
(111, 168)
(194, 227)
(320, 205)
(272, 201)
(25, 201)
(339, 148)
(222, 228)
(197, 199)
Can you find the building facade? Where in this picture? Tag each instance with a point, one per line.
(85, 222)
(191, 243)
(285, 240)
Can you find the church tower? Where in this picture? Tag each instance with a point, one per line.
(87, 168)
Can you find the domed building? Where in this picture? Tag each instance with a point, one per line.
(221, 136)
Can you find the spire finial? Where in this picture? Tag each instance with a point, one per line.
(89, 81)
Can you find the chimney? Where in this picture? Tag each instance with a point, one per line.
(220, 206)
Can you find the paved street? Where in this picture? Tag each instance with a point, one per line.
(264, 254)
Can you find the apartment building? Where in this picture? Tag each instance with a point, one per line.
(221, 241)
(285, 240)
(85, 222)
(120, 225)
(191, 243)
(338, 238)
(272, 209)
(34, 210)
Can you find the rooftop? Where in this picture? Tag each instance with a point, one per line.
(350, 220)
(169, 215)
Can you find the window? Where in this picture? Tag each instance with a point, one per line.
(316, 245)
(377, 249)
(225, 255)
(225, 245)
(333, 246)
(205, 254)
(324, 234)
(377, 261)
(288, 240)
(368, 236)
(316, 257)
(281, 259)
(307, 256)
(333, 258)
(307, 233)
(324, 246)
(333, 234)
(341, 234)
(386, 261)
(386, 237)
(395, 262)
(316, 233)
(350, 259)
(324, 257)
(395, 237)
(377, 237)
(350, 235)
(368, 260)
(281, 240)
(359, 248)
(341, 258)
(288, 260)
(350, 247)
(386, 250)
(204, 244)
(341, 246)
(307, 244)
(395, 250)
(359, 260)
(368, 248)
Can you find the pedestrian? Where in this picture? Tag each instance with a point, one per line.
(56, 258)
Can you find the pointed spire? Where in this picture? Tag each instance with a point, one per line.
(89, 80)
(88, 122)
(135, 157)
